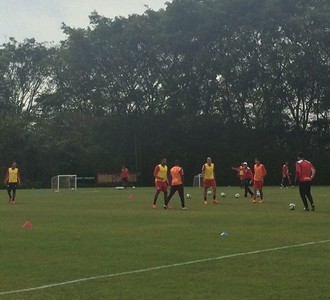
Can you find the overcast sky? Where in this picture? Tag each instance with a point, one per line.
(42, 19)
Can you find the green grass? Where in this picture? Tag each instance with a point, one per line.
(95, 232)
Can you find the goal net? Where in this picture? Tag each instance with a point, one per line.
(198, 180)
(61, 182)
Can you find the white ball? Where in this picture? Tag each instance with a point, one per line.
(223, 194)
(209, 193)
(188, 196)
(237, 195)
(292, 206)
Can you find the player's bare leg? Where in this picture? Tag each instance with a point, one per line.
(155, 199)
(205, 195)
(254, 195)
(215, 195)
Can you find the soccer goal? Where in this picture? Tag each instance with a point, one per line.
(198, 180)
(64, 182)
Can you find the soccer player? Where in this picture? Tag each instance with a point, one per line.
(176, 177)
(305, 173)
(124, 176)
(247, 179)
(240, 174)
(285, 175)
(161, 180)
(12, 179)
(208, 171)
(258, 179)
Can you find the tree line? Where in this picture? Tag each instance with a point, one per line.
(230, 79)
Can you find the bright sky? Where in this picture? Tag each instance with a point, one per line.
(42, 19)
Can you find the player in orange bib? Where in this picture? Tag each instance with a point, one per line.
(161, 180)
(258, 179)
(208, 171)
(176, 176)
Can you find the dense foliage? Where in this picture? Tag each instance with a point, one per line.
(231, 79)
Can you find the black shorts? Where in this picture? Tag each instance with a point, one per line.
(12, 186)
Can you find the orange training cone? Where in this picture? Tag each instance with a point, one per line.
(131, 197)
(27, 224)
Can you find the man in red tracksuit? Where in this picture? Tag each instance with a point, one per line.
(305, 173)
(247, 179)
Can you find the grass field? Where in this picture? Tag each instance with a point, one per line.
(101, 244)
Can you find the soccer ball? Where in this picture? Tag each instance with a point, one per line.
(188, 196)
(237, 195)
(292, 206)
(209, 193)
(223, 194)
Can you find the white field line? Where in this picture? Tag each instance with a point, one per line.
(160, 267)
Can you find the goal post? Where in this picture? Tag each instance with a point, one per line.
(198, 180)
(64, 182)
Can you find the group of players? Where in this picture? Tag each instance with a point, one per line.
(305, 173)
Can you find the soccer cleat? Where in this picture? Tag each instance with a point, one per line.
(215, 202)
(261, 201)
(154, 206)
(306, 209)
(165, 207)
(9, 200)
(313, 207)
(184, 208)
(254, 201)
(205, 202)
